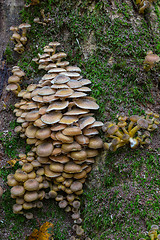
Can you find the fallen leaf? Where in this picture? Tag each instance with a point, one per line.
(45, 232)
(12, 162)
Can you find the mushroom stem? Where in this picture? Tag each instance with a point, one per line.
(134, 130)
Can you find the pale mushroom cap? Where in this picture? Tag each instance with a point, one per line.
(63, 93)
(76, 186)
(44, 149)
(74, 84)
(76, 111)
(57, 105)
(86, 104)
(13, 79)
(51, 118)
(142, 123)
(73, 69)
(17, 208)
(45, 91)
(84, 122)
(24, 25)
(11, 87)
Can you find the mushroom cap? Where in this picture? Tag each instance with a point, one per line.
(24, 25)
(54, 44)
(68, 147)
(76, 186)
(151, 58)
(60, 79)
(72, 167)
(43, 133)
(134, 118)
(72, 131)
(79, 155)
(1, 191)
(27, 167)
(32, 116)
(63, 93)
(51, 118)
(13, 79)
(17, 208)
(63, 204)
(56, 167)
(86, 104)
(84, 122)
(31, 185)
(95, 142)
(143, 123)
(65, 139)
(17, 191)
(73, 69)
(76, 111)
(31, 131)
(60, 159)
(57, 105)
(12, 87)
(45, 149)
(56, 70)
(20, 176)
(45, 91)
(74, 84)
(31, 196)
(82, 140)
(49, 173)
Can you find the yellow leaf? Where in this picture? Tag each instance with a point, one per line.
(12, 162)
(45, 232)
(34, 235)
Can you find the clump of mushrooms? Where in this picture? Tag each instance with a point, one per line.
(20, 39)
(134, 130)
(55, 118)
(45, 19)
(14, 80)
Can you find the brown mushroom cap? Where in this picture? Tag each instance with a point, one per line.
(43, 133)
(20, 176)
(60, 159)
(71, 167)
(56, 167)
(17, 191)
(51, 118)
(76, 186)
(49, 173)
(72, 131)
(44, 149)
(95, 142)
(27, 167)
(31, 131)
(76, 111)
(65, 139)
(32, 116)
(68, 147)
(79, 155)
(31, 185)
(31, 196)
